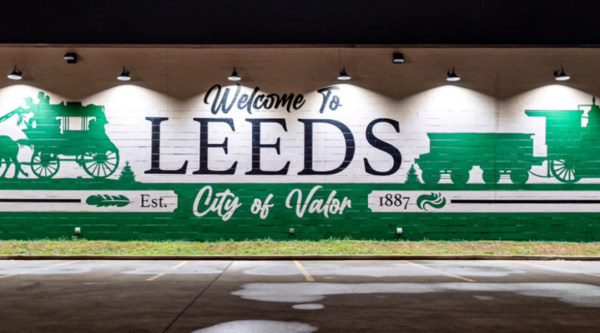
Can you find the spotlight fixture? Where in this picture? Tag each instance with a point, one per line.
(398, 58)
(343, 75)
(560, 74)
(234, 76)
(124, 76)
(16, 74)
(70, 58)
(452, 77)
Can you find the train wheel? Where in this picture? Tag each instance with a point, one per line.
(519, 176)
(44, 165)
(459, 177)
(491, 176)
(431, 176)
(100, 164)
(564, 171)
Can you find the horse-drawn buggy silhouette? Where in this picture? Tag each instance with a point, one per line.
(573, 151)
(65, 132)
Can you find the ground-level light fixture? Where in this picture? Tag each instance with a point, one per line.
(70, 58)
(234, 76)
(398, 58)
(124, 75)
(452, 76)
(292, 231)
(343, 75)
(560, 74)
(16, 74)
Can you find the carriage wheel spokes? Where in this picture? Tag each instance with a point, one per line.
(564, 171)
(44, 165)
(100, 164)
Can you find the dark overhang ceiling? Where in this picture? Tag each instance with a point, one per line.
(325, 22)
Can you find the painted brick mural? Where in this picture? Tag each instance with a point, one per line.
(179, 152)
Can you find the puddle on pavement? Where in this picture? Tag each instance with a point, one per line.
(484, 298)
(571, 293)
(152, 270)
(384, 271)
(255, 326)
(308, 306)
(41, 270)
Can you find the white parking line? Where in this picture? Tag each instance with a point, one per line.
(439, 271)
(307, 275)
(167, 271)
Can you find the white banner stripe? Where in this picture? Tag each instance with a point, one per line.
(484, 201)
(88, 201)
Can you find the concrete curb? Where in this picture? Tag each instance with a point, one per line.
(296, 257)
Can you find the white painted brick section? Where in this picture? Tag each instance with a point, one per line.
(498, 86)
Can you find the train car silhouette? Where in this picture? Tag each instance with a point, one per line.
(573, 151)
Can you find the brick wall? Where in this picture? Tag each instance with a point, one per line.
(505, 153)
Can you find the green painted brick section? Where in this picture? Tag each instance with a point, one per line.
(357, 223)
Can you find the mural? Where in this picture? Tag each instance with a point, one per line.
(436, 197)
(60, 133)
(496, 153)
(573, 151)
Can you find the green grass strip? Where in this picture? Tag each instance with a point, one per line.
(267, 247)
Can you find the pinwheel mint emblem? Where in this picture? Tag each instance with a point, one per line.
(433, 200)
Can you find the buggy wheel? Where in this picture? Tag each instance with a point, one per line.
(431, 176)
(564, 171)
(100, 164)
(44, 165)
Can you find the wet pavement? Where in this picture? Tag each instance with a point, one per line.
(299, 296)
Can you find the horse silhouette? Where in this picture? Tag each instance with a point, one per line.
(9, 150)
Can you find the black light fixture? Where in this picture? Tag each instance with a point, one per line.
(560, 74)
(452, 76)
(234, 76)
(398, 58)
(70, 58)
(16, 74)
(124, 75)
(343, 75)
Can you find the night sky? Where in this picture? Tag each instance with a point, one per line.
(524, 22)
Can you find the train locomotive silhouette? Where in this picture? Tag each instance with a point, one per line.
(60, 133)
(573, 151)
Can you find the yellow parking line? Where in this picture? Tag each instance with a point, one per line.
(438, 271)
(39, 269)
(556, 269)
(167, 271)
(304, 271)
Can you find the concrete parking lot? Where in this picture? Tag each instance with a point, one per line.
(299, 296)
